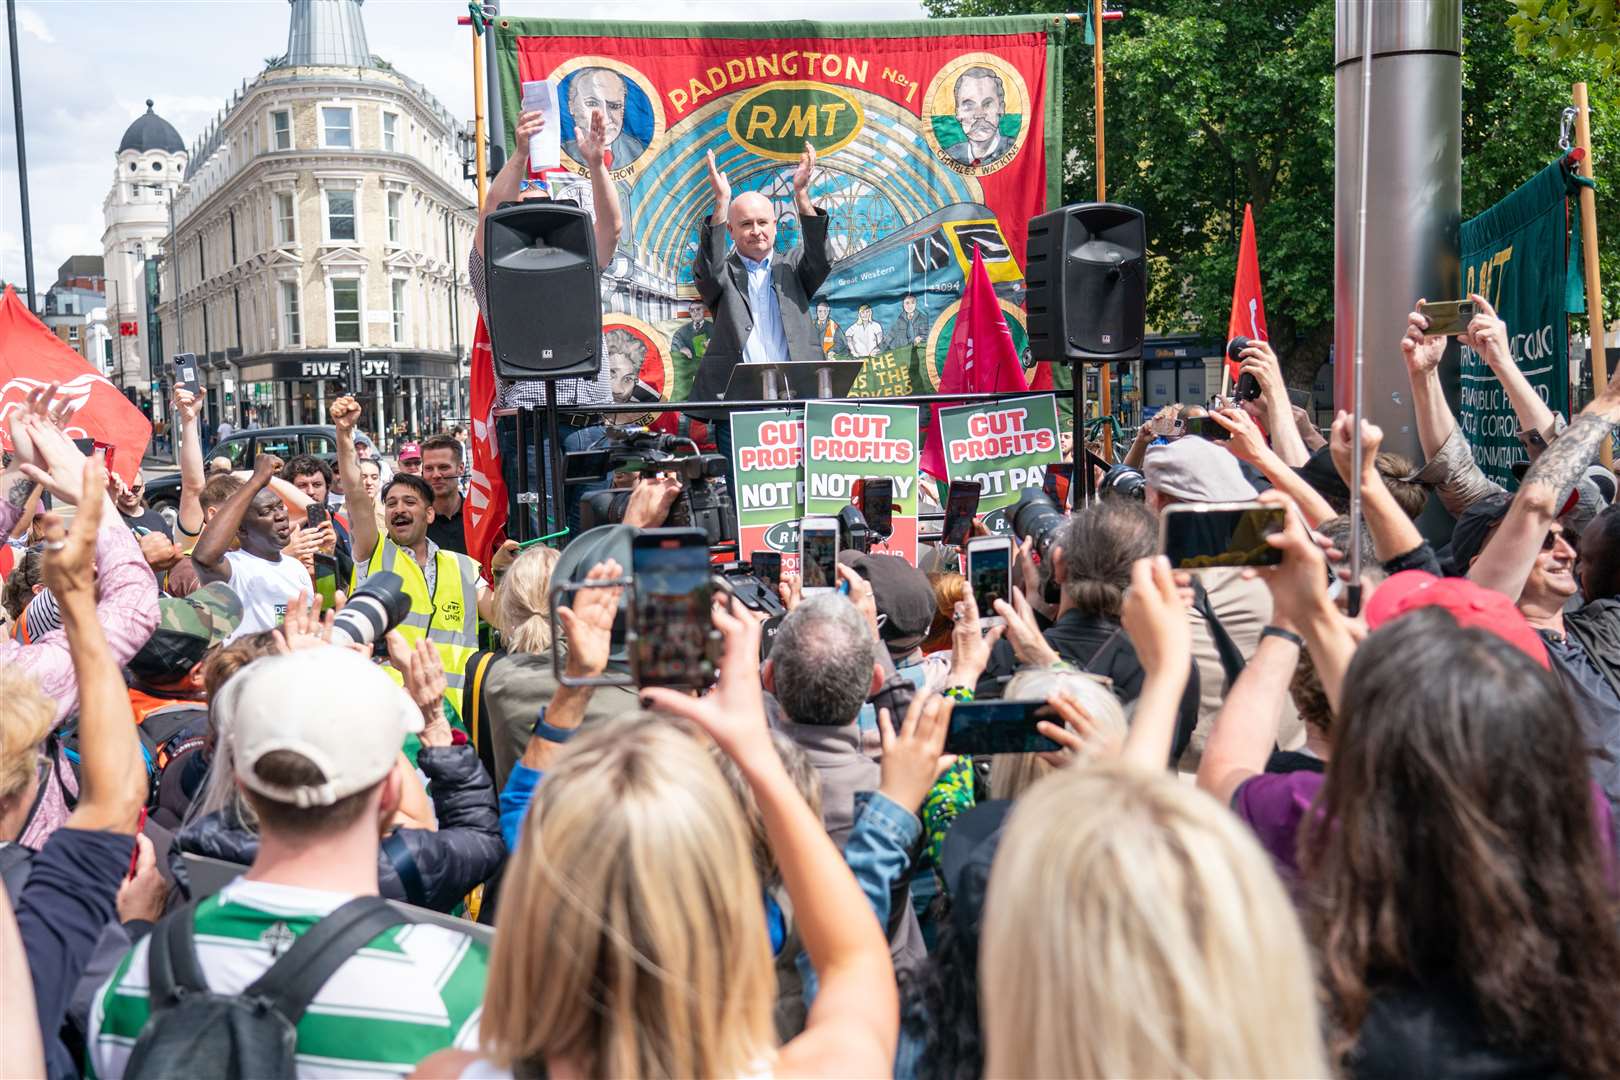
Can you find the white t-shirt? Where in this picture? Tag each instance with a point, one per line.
(264, 588)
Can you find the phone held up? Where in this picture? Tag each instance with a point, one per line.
(989, 571)
(818, 554)
(316, 515)
(1448, 318)
(1205, 427)
(961, 503)
(767, 566)
(1207, 536)
(185, 373)
(671, 639)
(876, 496)
(999, 727)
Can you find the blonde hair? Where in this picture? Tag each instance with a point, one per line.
(25, 720)
(523, 600)
(1013, 774)
(1145, 935)
(631, 940)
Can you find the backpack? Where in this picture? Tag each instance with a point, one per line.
(193, 1031)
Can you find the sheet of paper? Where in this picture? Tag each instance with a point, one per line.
(545, 148)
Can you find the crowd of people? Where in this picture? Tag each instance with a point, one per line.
(245, 835)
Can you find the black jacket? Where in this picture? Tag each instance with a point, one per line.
(722, 282)
(1099, 646)
(429, 868)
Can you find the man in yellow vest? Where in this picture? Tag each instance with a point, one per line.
(447, 597)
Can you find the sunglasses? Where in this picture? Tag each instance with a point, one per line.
(1551, 539)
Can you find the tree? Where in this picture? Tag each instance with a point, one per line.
(1212, 104)
(1584, 28)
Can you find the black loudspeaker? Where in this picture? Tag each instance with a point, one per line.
(545, 310)
(1086, 282)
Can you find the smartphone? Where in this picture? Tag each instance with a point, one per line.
(107, 451)
(999, 727)
(767, 566)
(315, 515)
(961, 503)
(877, 504)
(86, 446)
(671, 633)
(1205, 427)
(1448, 318)
(1200, 536)
(989, 561)
(185, 373)
(1055, 484)
(818, 554)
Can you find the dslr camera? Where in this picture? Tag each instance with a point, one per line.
(704, 502)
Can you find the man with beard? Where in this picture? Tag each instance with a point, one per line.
(447, 597)
(981, 101)
(260, 572)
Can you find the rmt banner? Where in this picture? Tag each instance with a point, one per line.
(933, 138)
(844, 442)
(1514, 255)
(767, 468)
(1005, 446)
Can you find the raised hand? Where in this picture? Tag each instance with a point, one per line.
(529, 124)
(807, 164)
(345, 414)
(1155, 618)
(914, 757)
(1372, 436)
(970, 647)
(1486, 334)
(264, 467)
(1299, 584)
(1028, 643)
(588, 622)
(303, 626)
(733, 713)
(592, 140)
(186, 404)
(860, 594)
(70, 554)
(1421, 351)
(1246, 443)
(1079, 735)
(720, 183)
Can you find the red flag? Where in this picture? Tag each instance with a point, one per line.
(486, 491)
(31, 355)
(981, 360)
(1248, 309)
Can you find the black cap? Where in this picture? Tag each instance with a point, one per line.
(1323, 476)
(1473, 527)
(903, 596)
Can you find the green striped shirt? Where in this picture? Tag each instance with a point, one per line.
(413, 990)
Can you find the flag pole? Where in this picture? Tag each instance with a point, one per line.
(22, 152)
(1356, 401)
(1596, 326)
(479, 148)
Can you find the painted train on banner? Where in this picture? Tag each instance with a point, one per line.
(931, 143)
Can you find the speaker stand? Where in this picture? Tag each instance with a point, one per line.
(551, 468)
(1085, 492)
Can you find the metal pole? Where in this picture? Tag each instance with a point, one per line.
(174, 264)
(1597, 328)
(22, 151)
(478, 115)
(492, 72)
(1356, 400)
(1106, 378)
(455, 309)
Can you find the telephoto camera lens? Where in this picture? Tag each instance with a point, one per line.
(376, 607)
(1124, 482)
(1035, 517)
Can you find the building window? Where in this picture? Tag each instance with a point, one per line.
(337, 126)
(395, 199)
(397, 304)
(73, 334)
(281, 129)
(340, 214)
(390, 131)
(346, 311)
(292, 327)
(286, 223)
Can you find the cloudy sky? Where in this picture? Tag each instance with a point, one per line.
(89, 65)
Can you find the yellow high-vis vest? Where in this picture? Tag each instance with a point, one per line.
(448, 618)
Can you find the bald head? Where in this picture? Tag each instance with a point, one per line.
(751, 220)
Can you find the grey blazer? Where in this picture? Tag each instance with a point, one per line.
(722, 282)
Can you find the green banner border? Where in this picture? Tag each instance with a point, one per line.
(507, 31)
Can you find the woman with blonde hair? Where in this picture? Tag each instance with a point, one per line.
(1133, 928)
(631, 940)
(1094, 729)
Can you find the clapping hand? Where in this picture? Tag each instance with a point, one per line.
(801, 175)
(304, 625)
(423, 673)
(45, 454)
(587, 622)
(914, 757)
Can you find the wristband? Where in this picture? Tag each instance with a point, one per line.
(543, 730)
(959, 693)
(1286, 635)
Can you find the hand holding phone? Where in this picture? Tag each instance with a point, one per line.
(767, 566)
(1207, 428)
(818, 554)
(876, 496)
(672, 638)
(1000, 727)
(316, 515)
(1447, 318)
(1203, 536)
(961, 504)
(989, 561)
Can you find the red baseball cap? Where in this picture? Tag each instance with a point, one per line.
(410, 451)
(1468, 603)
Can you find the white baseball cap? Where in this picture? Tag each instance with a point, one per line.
(1196, 470)
(331, 705)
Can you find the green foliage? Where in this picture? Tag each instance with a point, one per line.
(1569, 28)
(1211, 104)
